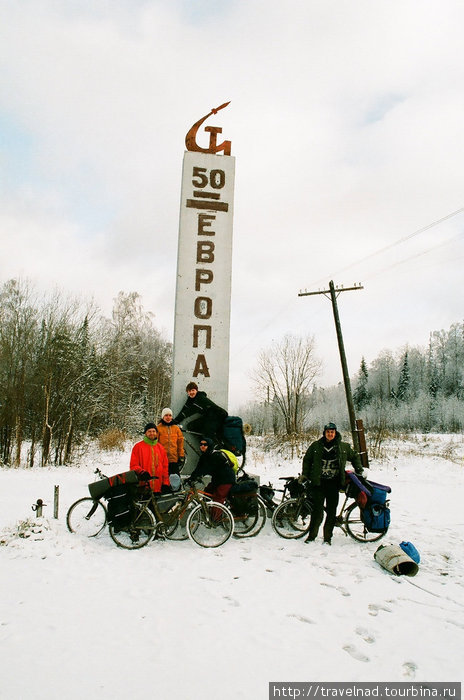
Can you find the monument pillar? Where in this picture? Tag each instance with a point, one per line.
(204, 268)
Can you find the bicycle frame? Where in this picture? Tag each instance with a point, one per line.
(169, 518)
(272, 505)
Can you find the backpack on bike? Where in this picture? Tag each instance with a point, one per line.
(243, 497)
(234, 437)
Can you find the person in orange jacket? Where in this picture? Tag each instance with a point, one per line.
(171, 438)
(149, 458)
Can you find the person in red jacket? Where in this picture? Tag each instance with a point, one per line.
(150, 457)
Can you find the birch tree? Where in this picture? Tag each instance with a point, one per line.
(283, 377)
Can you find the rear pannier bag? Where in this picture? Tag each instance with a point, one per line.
(376, 514)
(371, 498)
(267, 493)
(120, 505)
(295, 489)
(243, 497)
(119, 490)
(376, 517)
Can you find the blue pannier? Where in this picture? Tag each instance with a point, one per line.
(376, 517)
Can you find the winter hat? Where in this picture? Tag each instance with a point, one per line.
(209, 442)
(164, 411)
(148, 426)
(330, 426)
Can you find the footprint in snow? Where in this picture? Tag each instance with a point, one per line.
(340, 589)
(232, 601)
(373, 608)
(208, 578)
(301, 618)
(409, 669)
(364, 634)
(352, 651)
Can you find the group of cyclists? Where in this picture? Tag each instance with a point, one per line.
(161, 453)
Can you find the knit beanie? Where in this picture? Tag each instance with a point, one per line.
(148, 426)
(164, 411)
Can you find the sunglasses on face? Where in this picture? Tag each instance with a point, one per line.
(203, 444)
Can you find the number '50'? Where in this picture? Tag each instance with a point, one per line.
(216, 180)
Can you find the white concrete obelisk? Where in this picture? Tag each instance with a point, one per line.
(204, 269)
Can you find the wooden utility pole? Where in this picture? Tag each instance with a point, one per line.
(333, 293)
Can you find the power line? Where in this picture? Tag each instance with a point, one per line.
(395, 243)
(287, 303)
(413, 257)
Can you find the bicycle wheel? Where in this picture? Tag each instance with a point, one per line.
(250, 525)
(356, 528)
(138, 532)
(291, 518)
(86, 517)
(210, 524)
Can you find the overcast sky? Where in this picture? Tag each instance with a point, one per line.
(347, 124)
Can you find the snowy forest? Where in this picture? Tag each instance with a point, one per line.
(411, 389)
(68, 374)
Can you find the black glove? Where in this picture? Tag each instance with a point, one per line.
(181, 462)
(145, 476)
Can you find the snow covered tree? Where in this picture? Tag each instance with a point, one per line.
(284, 376)
(361, 394)
(402, 392)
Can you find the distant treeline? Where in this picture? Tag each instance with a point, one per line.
(419, 389)
(415, 389)
(67, 373)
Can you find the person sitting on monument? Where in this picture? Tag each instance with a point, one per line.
(215, 464)
(210, 422)
(171, 438)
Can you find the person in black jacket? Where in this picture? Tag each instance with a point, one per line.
(210, 421)
(215, 464)
(324, 466)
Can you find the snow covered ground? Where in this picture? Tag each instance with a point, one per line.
(82, 618)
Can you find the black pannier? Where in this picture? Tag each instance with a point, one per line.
(295, 489)
(267, 493)
(243, 497)
(119, 491)
(120, 505)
